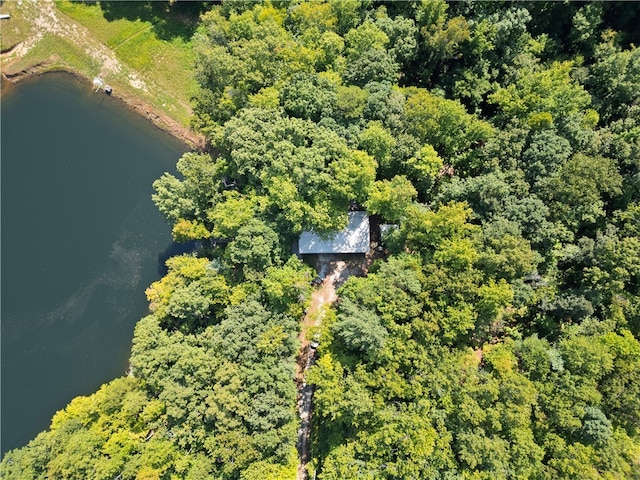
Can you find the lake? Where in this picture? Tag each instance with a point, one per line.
(81, 240)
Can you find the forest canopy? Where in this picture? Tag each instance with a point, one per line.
(495, 337)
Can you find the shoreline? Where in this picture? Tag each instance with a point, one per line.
(161, 121)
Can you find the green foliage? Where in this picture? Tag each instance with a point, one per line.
(614, 78)
(495, 335)
(425, 230)
(578, 190)
(189, 230)
(215, 398)
(360, 330)
(287, 288)
(189, 198)
(350, 101)
(403, 37)
(307, 96)
(237, 57)
(391, 198)
(442, 36)
(255, 248)
(191, 292)
(423, 169)
(442, 123)
(101, 436)
(506, 254)
(233, 212)
(536, 91)
(367, 36)
(309, 173)
(377, 142)
(374, 65)
(546, 152)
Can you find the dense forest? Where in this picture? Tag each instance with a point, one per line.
(497, 337)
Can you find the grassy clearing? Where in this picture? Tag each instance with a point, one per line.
(16, 29)
(92, 17)
(143, 39)
(57, 53)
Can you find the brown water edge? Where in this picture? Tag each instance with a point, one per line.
(160, 120)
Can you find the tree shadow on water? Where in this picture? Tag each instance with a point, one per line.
(170, 20)
(173, 250)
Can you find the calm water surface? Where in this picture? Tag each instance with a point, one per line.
(81, 240)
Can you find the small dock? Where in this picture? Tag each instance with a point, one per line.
(98, 84)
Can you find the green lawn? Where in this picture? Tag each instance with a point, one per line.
(57, 53)
(150, 39)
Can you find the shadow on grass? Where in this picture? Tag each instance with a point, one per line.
(170, 20)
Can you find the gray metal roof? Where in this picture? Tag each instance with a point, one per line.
(353, 239)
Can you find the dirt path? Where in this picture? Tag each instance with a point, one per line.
(320, 298)
(46, 19)
(334, 272)
(325, 295)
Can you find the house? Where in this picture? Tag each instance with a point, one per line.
(355, 238)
